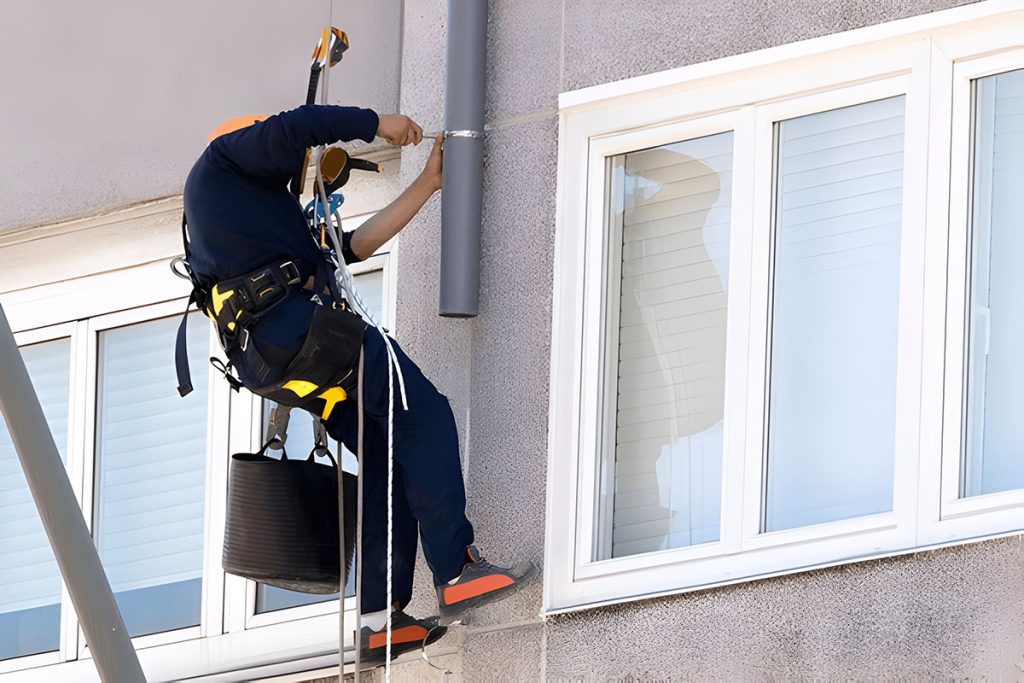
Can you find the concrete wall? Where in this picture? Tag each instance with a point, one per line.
(109, 103)
(949, 613)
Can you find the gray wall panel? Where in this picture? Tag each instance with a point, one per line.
(109, 103)
(608, 40)
(952, 613)
(511, 356)
(524, 62)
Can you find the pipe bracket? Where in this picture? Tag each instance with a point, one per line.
(463, 134)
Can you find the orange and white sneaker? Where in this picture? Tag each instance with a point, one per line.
(407, 633)
(479, 583)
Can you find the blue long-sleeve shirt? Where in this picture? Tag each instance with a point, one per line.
(241, 215)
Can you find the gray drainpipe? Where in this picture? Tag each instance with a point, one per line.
(462, 197)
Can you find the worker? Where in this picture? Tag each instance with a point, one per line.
(242, 222)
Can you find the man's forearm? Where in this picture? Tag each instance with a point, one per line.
(390, 220)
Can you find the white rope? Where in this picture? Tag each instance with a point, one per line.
(359, 516)
(391, 531)
(330, 221)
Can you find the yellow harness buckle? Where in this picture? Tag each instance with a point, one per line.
(332, 397)
(300, 387)
(219, 299)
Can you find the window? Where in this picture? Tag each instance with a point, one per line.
(150, 470)
(995, 374)
(136, 456)
(784, 311)
(669, 217)
(835, 283)
(150, 474)
(979, 485)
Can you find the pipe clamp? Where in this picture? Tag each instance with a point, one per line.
(463, 134)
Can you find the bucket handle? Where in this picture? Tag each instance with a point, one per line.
(317, 450)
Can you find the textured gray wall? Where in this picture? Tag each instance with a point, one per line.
(951, 613)
(109, 103)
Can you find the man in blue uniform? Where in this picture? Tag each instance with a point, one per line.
(242, 217)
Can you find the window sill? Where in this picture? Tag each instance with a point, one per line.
(556, 609)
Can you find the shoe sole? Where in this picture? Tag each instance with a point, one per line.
(458, 616)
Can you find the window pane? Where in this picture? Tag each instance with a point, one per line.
(995, 431)
(300, 443)
(834, 317)
(669, 209)
(151, 472)
(371, 291)
(29, 578)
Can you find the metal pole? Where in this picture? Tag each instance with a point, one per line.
(69, 536)
(462, 196)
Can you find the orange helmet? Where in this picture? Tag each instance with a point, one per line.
(237, 123)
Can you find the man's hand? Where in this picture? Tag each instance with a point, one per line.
(399, 130)
(431, 173)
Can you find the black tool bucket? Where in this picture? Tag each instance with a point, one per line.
(282, 521)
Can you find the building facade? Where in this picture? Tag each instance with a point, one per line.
(743, 380)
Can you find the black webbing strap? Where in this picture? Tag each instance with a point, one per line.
(180, 345)
(181, 352)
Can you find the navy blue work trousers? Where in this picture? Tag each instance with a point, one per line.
(429, 494)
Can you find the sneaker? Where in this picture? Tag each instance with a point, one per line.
(479, 583)
(407, 634)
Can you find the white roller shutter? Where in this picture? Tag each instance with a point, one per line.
(151, 456)
(835, 314)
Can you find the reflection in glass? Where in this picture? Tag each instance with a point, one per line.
(29, 577)
(151, 474)
(832, 412)
(300, 443)
(669, 208)
(995, 431)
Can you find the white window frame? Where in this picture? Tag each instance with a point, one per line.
(975, 515)
(230, 637)
(748, 94)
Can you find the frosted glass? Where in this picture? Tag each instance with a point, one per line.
(669, 207)
(995, 431)
(151, 473)
(300, 442)
(29, 577)
(832, 395)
